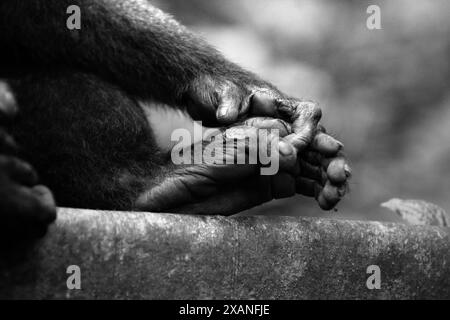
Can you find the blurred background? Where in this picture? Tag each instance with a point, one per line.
(384, 93)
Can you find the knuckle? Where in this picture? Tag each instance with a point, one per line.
(44, 206)
(283, 124)
(307, 111)
(314, 110)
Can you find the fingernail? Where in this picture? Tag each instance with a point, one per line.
(222, 113)
(341, 145)
(347, 170)
(284, 148)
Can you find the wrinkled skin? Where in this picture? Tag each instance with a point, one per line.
(26, 208)
(311, 164)
(130, 52)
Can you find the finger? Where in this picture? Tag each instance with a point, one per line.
(269, 150)
(338, 171)
(27, 205)
(307, 187)
(329, 196)
(18, 170)
(32, 212)
(268, 123)
(316, 159)
(231, 103)
(282, 154)
(227, 111)
(223, 150)
(315, 173)
(326, 144)
(324, 204)
(288, 158)
(263, 103)
(46, 204)
(304, 115)
(283, 185)
(299, 113)
(304, 123)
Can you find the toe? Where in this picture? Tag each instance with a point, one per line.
(329, 196)
(326, 144)
(338, 171)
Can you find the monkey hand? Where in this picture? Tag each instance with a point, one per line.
(220, 182)
(324, 171)
(218, 101)
(227, 187)
(26, 208)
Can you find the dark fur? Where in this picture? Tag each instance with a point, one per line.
(79, 122)
(130, 42)
(90, 142)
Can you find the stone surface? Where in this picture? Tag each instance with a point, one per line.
(165, 256)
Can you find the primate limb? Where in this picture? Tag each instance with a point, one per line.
(81, 123)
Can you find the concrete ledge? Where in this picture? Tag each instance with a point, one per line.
(164, 256)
